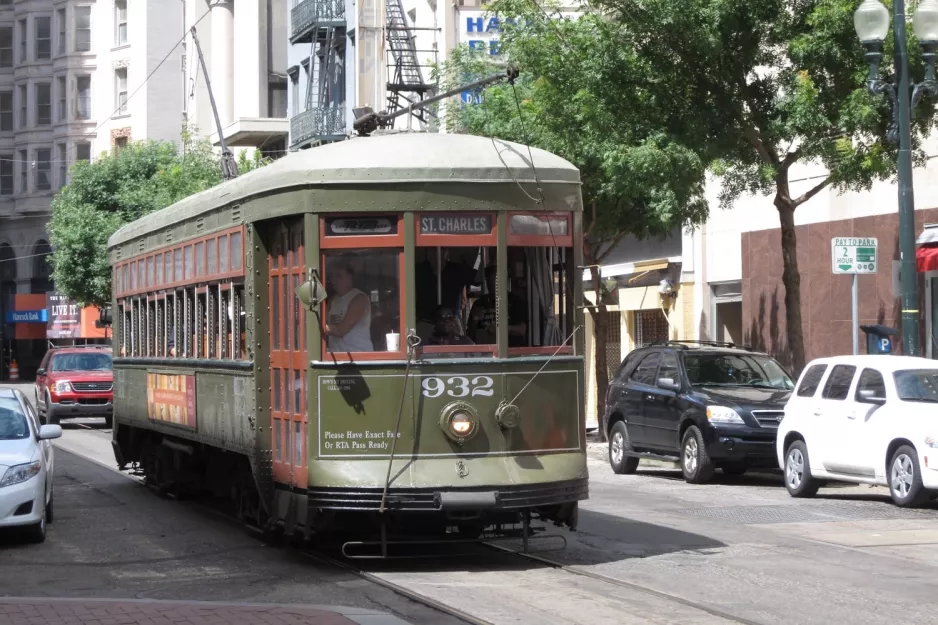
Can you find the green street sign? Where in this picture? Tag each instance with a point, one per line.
(853, 255)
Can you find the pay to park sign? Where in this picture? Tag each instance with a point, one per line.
(853, 255)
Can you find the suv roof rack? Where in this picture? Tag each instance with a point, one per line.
(91, 346)
(685, 343)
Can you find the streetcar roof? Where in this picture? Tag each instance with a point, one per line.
(383, 159)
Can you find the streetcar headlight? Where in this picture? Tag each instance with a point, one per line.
(459, 422)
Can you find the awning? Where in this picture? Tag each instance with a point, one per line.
(926, 257)
(929, 235)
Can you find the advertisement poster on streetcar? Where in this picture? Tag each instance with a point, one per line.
(171, 399)
(63, 317)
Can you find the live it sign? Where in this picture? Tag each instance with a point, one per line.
(854, 255)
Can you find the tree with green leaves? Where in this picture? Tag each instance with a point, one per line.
(749, 88)
(768, 84)
(113, 190)
(575, 98)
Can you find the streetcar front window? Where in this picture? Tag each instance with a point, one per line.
(363, 308)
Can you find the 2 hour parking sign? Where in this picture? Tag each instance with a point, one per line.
(854, 254)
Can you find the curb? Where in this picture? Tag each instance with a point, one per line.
(363, 616)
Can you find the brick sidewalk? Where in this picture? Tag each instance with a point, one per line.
(42, 611)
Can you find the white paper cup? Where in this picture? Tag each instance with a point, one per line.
(394, 341)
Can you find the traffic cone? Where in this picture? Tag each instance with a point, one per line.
(14, 371)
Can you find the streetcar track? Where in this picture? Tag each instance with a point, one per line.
(417, 597)
(624, 584)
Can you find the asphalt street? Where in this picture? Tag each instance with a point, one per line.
(655, 550)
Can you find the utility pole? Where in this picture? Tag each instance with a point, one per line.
(229, 167)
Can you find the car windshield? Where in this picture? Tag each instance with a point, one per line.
(919, 385)
(92, 361)
(736, 370)
(13, 425)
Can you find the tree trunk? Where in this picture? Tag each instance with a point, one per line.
(791, 278)
(601, 337)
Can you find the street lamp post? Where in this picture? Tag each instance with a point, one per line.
(871, 21)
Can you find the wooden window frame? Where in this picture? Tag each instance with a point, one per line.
(366, 242)
(135, 287)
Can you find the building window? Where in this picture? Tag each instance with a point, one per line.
(6, 111)
(23, 118)
(43, 104)
(22, 41)
(120, 89)
(60, 14)
(83, 97)
(6, 46)
(63, 106)
(63, 165)
(82, 151)
(120, 22)
(82, 29)
(24, 172)
(43, 38)
(6, 174)
(6, 3)
(43, 169)
(119, 144)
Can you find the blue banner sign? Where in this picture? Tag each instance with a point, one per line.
(26, 316)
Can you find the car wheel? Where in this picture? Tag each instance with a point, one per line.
(798, 479)
(695, 463)
(49, 508)
(905, 479)
(619, 446)
(49, 419)
(36, 533)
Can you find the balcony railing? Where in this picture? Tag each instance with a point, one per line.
(319, 12)
(318, 123)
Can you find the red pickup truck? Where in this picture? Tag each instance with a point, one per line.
(75, 382)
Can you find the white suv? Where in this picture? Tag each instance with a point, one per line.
(866, 420)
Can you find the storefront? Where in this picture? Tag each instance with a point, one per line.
(41, 320)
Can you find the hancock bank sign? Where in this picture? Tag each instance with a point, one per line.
(481, 31)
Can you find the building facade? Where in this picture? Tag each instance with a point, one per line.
(82, 77)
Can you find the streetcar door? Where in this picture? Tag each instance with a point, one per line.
(288, 356)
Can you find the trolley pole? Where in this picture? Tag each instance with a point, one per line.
(229, 167)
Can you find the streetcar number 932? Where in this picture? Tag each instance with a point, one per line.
(458, 386)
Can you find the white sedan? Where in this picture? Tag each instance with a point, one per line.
(866, 420)
(26, 466)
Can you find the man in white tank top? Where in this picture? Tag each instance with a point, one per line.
(349, 313)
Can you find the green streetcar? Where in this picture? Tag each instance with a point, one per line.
(378, 335)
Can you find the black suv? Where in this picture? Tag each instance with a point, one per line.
(706, 405)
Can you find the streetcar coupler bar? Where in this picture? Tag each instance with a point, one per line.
(465, 501)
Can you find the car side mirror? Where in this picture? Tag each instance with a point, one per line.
(50, 431)
(40, 371)
(868, 396)
(668, 384)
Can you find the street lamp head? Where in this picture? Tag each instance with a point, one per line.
(925, 22)
(871, 21)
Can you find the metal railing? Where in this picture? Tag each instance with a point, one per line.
(307, 13)
(317, 123)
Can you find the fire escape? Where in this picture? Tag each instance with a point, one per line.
(321, 24)
(406, 83)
